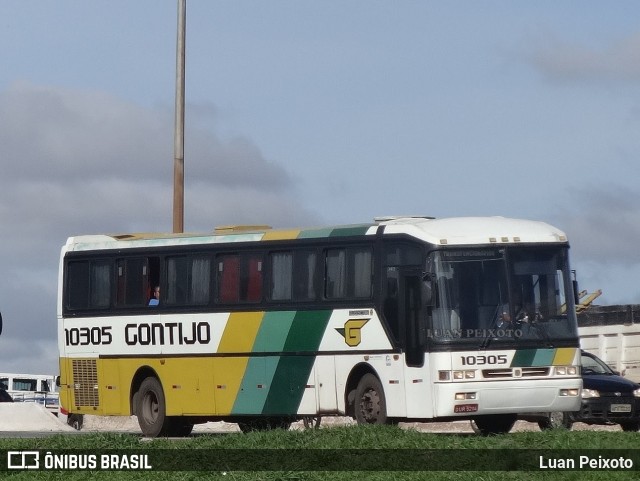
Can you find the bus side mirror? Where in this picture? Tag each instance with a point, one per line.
(576, 292)
(58, 381)
(0, 323)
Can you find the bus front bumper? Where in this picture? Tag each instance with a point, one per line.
(497, 397)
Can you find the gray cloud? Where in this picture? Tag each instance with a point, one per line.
(81, 162)
(603, 225)
(570, 62)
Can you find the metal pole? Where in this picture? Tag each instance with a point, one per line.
(178, 162)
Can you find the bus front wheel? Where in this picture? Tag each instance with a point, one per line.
(370, 404)
(151, 408)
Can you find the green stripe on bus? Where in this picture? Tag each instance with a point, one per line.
(255, 385)
(289, 384)
(306, 331)
(275, 384)
(533, 357)
(273, 331)
(523, 358)
(290, 378)
(353, 230)
(315, 233)
(271, 337)
(543, 357)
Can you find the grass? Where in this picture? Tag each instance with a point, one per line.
(389, 446)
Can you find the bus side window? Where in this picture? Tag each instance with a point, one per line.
(281, 276)
(188, 280)
(348, 273)
(228, 279)
(251, 279)
(132, 287)
(88, 284)
(293, 276)
(239, 278)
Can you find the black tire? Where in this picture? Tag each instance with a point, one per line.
(75, 421)
(370, 405)
(493, 424)
(263, 424)
(151, 409)
(556, 420)
(630, 426)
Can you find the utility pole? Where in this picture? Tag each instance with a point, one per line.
(178, 142)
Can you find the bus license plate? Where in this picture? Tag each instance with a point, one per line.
(621, 408)
(465, 408)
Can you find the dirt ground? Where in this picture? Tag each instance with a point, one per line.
(25, 417)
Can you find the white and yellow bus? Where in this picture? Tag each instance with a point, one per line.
(402, 319)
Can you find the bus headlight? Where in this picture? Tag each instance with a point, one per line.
(463, 396)
(566, 370)
(569, 392)
(456, 375)
(464, 375)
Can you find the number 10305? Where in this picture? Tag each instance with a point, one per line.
(484, 360)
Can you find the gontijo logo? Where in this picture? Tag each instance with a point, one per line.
(351, 331)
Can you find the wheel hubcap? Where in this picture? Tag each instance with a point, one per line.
(370, 406)
(150, 408)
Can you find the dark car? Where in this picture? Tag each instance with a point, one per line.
(607, 398)
(5, 397)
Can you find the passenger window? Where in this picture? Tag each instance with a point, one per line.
(348, 273)
(293, 276)
(188, 280)
(239, 278)
(88, 284)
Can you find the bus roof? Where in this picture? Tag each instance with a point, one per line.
(445, 231)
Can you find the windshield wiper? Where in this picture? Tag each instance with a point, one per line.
(494, 324)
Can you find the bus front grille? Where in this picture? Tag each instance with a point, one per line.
(85, 383)
(517, 372)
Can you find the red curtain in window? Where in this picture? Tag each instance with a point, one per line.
(229, 285)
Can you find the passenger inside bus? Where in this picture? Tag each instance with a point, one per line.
(155, 300)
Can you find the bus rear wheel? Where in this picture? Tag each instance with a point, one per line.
(151, 408)
(75, 421)
(370, 404)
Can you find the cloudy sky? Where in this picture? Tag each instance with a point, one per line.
(303, 113)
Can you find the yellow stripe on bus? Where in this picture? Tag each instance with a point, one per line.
(281, 234)
(240, 332)
(564, 356)
(238, 337)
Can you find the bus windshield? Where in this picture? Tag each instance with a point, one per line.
(502, 295)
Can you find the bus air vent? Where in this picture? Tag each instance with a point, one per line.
(508, 373)
(85, 382)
